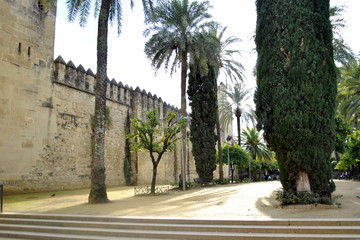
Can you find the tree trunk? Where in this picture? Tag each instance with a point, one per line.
(153, 181)
(221, 172)
(98, 188)
(302, 182)
(337, 156)
(184, 67)
(218, 132)
(238, 129)
(250, 170)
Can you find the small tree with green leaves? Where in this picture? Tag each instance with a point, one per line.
(236, 155)
(351, 158)
(342, 130)
(155, 137)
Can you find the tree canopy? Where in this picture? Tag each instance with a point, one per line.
(232, 102)
(154, 137)
(295, 98)
(237, 155)
(349, 94)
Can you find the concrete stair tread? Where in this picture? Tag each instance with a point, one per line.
(155, 234)
(37, 235)
(55, 236)
(176, 226)
(50, 226)
(246, 221)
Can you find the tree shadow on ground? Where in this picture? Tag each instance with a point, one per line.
(176, 203)
(233, 201)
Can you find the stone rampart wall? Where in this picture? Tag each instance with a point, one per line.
(64, 155)
(46, 107)
(74, 101)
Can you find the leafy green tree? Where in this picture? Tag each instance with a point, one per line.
(172, 27)
(237, 155)
(107, 11)
(152, 136)
(256, 148)
(342, 131)
(295, 98)
(270, 166)
(349, 94)
(233, 102)
(351, 158)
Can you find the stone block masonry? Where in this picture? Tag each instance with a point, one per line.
(46, 107)
(63, 161)
(74, 102)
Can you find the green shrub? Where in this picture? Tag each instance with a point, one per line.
(301, 198)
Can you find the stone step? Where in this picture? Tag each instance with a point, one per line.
(262, 222)
(184, 227)
(175, 236)
(46, 236)
(46, 226)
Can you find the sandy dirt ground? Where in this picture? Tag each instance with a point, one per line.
(233, 201)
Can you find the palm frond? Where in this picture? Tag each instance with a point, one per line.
(73, 8)
(171, 28)
(84, 8)
(232, 99)
(255, 146)
(349, 93)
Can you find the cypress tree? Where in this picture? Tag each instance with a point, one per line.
(295, 98)
(203, 101)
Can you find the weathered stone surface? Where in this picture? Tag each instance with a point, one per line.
(46, 107)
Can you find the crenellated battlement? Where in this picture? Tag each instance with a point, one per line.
(69, 75)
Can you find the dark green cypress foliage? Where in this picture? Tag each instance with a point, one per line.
(202, 96)
(127, 159)
(295, 98)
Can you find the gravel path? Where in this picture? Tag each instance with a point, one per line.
(234, 201)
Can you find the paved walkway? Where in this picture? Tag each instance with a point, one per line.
(234, 201)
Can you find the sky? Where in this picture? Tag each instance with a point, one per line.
(126, 59)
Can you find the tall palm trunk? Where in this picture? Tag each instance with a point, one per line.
(238, 129)
(238, 116)
(184, 67)
(98, 188)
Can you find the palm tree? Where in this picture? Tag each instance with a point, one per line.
(256, 148)
(342, 52)
(349, 94)
(107, 11)
(237, 95)
(173, 26)
(231, 68)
